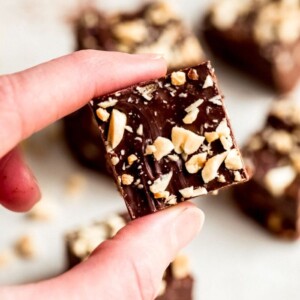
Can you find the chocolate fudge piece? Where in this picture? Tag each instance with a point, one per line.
(260, 36)
(177, 283)
(154, 28)
(169, 140)
(271, 197)
(83, 139)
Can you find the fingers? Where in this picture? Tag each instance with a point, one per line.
(34, 98)
(19, 190)
(131, 265)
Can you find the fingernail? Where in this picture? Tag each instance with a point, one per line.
(152, 56)
(187, 225)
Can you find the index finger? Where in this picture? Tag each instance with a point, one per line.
(32, 99)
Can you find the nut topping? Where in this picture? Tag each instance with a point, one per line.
(161, 183)
(163, 147)
(131, 159)
(127, 179)
(102, 114)
(233, 160)
(185, 140)
(195, 163)
(278, 179)
(178, 78)
(193, 74)
(109, 103)
(147, 91)
(210, 170)
(208, 82)
(116, 128)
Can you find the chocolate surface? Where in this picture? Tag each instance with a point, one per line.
(260, 37)
(177, 281)
(272, 195)
(169, 140)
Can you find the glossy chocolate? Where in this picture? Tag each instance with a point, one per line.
(184, 110)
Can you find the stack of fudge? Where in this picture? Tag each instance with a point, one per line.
(260, 36)
(153, 28)
(177, 283)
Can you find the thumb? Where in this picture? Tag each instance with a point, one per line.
(131, 265)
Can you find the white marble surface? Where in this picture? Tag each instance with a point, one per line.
(231, 259)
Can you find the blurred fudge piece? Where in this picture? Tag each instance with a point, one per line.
(177, 283)
(260, 36)
(272, 196)
(153, 28)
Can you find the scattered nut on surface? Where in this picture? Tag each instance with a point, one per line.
(116, 128)
(127, 179)
(6, 257)
(25, 247)
(43, 211)
(102, 114)
(178, 78)
(75, 184)
(210, 170)
(180, 267)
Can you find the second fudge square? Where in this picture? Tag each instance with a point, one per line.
(169, 140)
(261, 37)
(271, 197)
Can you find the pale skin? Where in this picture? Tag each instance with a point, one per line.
(129, 266)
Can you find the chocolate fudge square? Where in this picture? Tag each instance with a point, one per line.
(271, 197)
(177, 283)
(260, 37)
(169, 140)
(152, 28)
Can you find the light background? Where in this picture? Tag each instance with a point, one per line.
(232, 258)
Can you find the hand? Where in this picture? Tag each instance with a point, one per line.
(131, 265)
